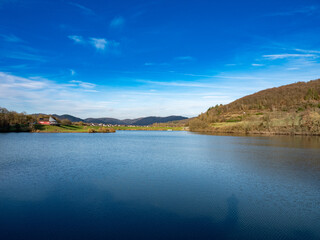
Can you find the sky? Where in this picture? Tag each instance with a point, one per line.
(130, 58)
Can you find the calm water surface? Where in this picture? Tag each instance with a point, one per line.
(158, 185)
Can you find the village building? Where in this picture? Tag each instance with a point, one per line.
(47, 121)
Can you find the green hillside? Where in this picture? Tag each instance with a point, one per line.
(289, 109)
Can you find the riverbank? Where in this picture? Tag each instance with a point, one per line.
(257, 128)
(150, 128)
(86, 129)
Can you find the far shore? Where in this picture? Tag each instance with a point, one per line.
(38, 128)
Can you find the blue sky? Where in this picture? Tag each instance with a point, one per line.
(128, 59)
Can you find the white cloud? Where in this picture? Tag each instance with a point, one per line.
(77, 39)
(83, 84)
(289, 55)
(99, 43)
(257, 64)
(37, 94)
(117, 22)
(72, 72)
(8, 81)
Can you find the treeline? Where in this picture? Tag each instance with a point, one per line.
(13, 121)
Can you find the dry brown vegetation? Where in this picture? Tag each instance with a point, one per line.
(290, 109)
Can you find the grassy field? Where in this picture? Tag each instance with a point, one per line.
(71, 129)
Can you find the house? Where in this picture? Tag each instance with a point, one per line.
(47, 121)
(52, 121)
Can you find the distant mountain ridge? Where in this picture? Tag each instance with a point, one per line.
(138, 121)
(69, 117)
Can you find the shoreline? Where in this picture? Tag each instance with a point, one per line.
(230, 133)
(86, 129)
(235, 134)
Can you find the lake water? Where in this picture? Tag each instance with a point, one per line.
(158, 185)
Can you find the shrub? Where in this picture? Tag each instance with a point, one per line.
(312, 94)
(106, 130)
(299, 109)
(91, 130)
(197, 124)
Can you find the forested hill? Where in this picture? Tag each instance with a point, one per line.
(286, 97)
(293, 108)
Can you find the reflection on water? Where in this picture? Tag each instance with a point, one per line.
(232, 216)
(158, 185)
(56, 218)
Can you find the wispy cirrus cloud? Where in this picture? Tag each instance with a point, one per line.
(309, 10)
(84, 9)
(289, 55)
(117, 22)
(156, 64)
(306, 51)
(77, 39)
(101, 44)
(177, 84)
(11, 38)
(25, 56)
(9, 81)
(33, 93)
(257, 65)
(83, 84)
(17, 48)
(171, 62)
(184, 58)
